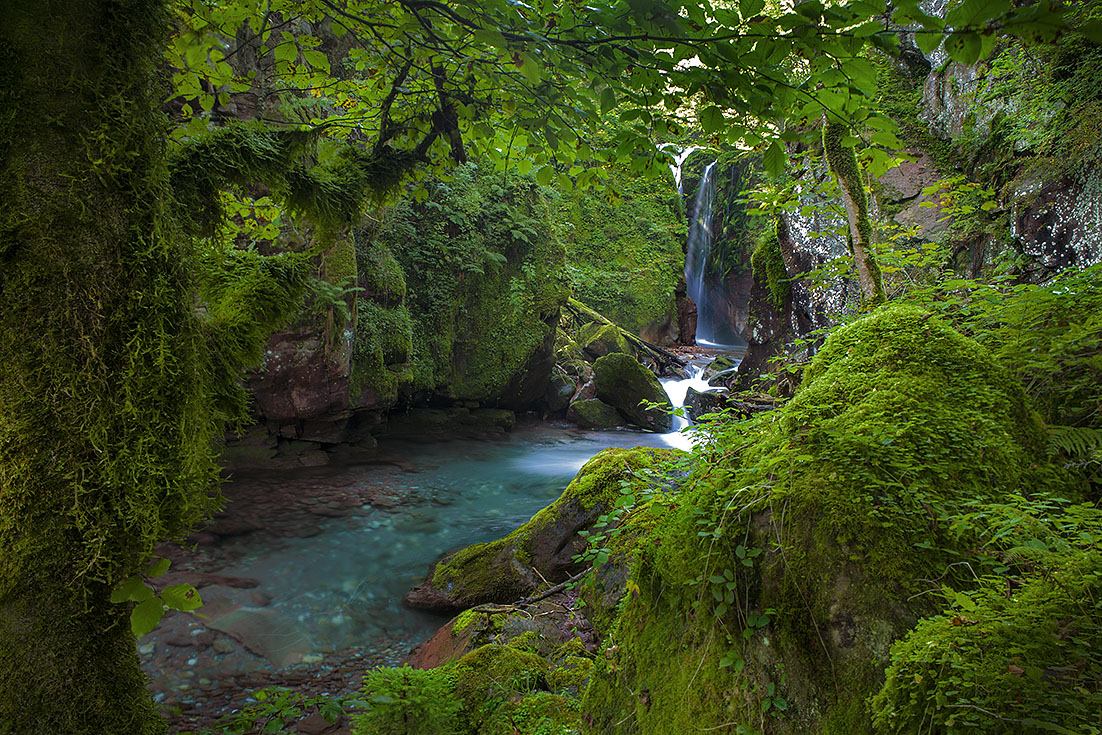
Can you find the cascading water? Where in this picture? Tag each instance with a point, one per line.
(678, 391)
(713, 327)
(679, 158)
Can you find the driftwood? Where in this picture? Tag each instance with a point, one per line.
(581, 311)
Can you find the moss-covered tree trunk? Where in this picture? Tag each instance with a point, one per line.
(104, 434)
(843, 164)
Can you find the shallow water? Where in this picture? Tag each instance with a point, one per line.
(344, 586)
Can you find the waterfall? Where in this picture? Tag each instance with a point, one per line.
(677, 391)
(679, 158)
(707, 289)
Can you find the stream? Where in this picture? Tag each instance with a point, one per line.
(331, 587)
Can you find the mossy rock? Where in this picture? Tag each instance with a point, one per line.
(559, 393)
(623, 382)
(594, 413)
(597, 340)
(810, 549)
(538, 713)
(505, 570)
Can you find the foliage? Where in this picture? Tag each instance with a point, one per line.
(406, 700)
(274, 709)
(769, 269)
(1047, 335)
(1019, 652)
(484, 279)
(150, 606)
(624, 248)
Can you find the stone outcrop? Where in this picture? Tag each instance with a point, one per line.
(510, 568)
(622, 382)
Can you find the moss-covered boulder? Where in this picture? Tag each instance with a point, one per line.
(623, 382)
(506, 570)
(768, 597)
(593, 413)
(597, 340)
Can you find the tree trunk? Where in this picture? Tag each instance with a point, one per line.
(104, 428)
(843, 164)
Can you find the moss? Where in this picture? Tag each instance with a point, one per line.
(497, 571)
(602, 339)
(799, 555)
(538, 713)
(594, 413)
(464, 621)
(404, 700)
(769, 269)
(843, 164)
(624, 257)
(114, 382)
(570, 675)
(485, 280)
(622, 382)
(331, 196)
(381, 349)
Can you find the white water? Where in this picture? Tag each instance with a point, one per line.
(679, 158)
(681, 436)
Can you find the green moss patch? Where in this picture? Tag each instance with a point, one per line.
(804, 541)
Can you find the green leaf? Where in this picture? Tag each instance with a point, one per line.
(1092, 31)
(317, 60)
(963, 47)
(928, 42)
(711, 119)
(608, 100)
(528, 67)
(181, 597)
(975, 13)
(886, 139)
(145, 616)
(544, 175)
(158, 567)
(286, 51)
(133, 589)
(751, 8)
(774, 159)
(490, 37)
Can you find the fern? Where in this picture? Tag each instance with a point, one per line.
(1075, 442)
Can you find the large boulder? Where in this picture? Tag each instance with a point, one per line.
(624, 383)
(598, 340)
(808, 544)
(543, 548)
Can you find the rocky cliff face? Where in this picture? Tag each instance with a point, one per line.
(1003, 179)
(455, 303)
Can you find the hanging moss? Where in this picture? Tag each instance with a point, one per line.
(247, 154)
(769, 269)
